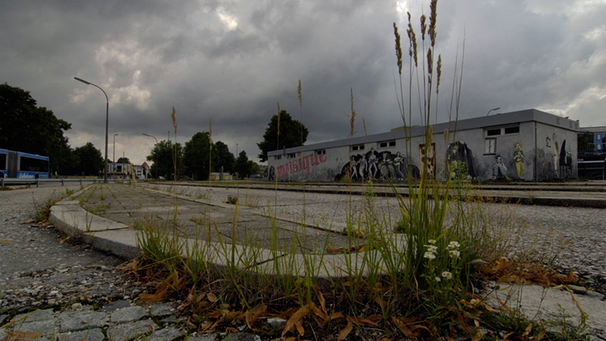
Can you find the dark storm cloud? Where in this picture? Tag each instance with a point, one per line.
(232, 60)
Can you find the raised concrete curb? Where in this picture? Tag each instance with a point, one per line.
(102, 233)
(123, 240)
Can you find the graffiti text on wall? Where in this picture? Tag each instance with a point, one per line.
(303, 163)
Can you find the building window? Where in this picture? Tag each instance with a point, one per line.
(503, 131)
(357, 147)
(512, 130)
(493, 132)
(385, 144)
(320, 152)
(490, 146)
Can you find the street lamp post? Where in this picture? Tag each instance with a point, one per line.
(489, 111)
(155, 161)
(114, 159)
(106, 122)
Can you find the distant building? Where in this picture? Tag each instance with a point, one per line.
(220, 176)
(142, 171)
(592, 152)
(525, 145)
(597, 143)
(118, 170)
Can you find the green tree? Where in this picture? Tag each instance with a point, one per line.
(243, 166)
(225, 158)
(585, 143)
(254, 168)
(162, 156)
(90, 160)
(290, 134)
(123, 160)
(28, 128)
(196, 156)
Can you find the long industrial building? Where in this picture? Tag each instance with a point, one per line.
(529, 145)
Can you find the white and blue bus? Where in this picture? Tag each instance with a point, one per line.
(23, 165)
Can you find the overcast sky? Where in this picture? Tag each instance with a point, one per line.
(232, 61)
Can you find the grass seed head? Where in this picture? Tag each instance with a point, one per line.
(398, 47)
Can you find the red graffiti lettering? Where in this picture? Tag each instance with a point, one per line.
(304, 163)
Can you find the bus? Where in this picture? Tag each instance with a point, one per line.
(23, 165)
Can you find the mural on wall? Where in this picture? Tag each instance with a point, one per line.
(555, 155)
(271, 173)
(499, 170)
(428, 159)
(377, 166)
(518, 157)
(556, 159)
(299, 164)
(565, 161)
(460, 161)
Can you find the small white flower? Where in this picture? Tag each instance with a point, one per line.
(453, 245)
(454, 253)
(431, 248)
(438, 279)
(447, 275)
(430, 255)
(431, 241)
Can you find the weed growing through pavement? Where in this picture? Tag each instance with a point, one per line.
(43, 208)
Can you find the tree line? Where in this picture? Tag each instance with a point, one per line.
(197, 158)
(28, 128)
(25, 127)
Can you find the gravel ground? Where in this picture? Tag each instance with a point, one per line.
(39, 269)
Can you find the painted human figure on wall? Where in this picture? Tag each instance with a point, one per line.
(378, 166)
(398, 164)
(565, 161)
(555, 154)
(518, 157)
(373, 167)
(499, 170)
(459, 156)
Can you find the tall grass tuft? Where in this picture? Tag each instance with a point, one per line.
(437, 256)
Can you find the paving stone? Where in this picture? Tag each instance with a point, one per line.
(129, 314)
(43, 326)
(163, 309)
(166, 334)
(129, 331)
(79, 320)
(115, 305)
(89, 334)
(40, 315)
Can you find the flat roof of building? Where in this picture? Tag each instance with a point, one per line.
(497, 120)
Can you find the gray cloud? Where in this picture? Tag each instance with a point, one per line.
(232, 60)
